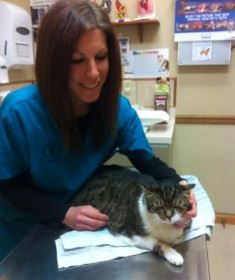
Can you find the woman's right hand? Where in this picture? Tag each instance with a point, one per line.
(85, 217)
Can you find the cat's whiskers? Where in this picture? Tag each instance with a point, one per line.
(171, 218)
(175, 218)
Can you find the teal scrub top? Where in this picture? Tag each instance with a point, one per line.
(30, 140)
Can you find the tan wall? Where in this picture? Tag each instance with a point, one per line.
(206, 151)
(23, 3)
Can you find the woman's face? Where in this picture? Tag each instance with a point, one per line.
(89, 69)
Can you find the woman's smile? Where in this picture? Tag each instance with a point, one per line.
(89, 70)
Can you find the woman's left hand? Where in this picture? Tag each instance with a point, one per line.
(191, 213)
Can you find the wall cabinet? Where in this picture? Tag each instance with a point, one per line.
(139, 24)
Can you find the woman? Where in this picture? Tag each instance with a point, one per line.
(55, 134)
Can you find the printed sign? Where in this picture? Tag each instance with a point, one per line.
(204, 20)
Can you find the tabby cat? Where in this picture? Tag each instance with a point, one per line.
(140, 209)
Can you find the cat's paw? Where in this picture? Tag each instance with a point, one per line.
(173, 257)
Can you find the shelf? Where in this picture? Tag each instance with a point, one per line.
(139, 23)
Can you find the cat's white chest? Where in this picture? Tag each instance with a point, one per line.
(165, 232)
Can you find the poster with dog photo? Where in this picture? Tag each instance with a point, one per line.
(201, 51)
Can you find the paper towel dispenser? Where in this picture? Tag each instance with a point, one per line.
(16, 38)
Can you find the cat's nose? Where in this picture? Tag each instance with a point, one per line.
(169, 214)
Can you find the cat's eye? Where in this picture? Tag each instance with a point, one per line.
(155, 209)
(178, 208)
(151, 209)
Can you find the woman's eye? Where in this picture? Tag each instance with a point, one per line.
(77, 60)
(102, 57)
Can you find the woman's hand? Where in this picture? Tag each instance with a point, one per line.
(85, 217)
(191, 213)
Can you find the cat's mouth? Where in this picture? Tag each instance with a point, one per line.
(171, 220)
(168, 222)
(175, 219)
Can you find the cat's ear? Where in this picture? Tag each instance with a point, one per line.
(146, 189)
(187, 186)
(191, 186)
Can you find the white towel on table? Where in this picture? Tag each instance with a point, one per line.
(99, 250)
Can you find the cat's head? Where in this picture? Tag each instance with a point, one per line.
(167, 202)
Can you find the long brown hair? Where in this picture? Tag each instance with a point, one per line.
(62, 26)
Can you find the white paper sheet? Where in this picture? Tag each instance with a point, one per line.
(75, 239)
(83, 247)
(87, 255)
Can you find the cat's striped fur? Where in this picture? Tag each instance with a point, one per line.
(140, 209)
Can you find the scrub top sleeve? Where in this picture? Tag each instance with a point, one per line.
(158, 170)
(27, 197)
(131, 138)
(13, 146)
